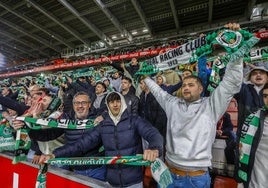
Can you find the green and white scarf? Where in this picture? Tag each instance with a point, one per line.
(248, 133)
(159, 170)
(22, 145)
(37, 124)
(7, 141)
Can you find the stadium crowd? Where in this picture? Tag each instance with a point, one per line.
(169, 114)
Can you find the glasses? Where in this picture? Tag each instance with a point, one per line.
(78, 103)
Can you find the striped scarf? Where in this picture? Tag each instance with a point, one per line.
(248, 133)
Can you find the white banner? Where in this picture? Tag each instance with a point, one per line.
(257, 53)
(177, 56)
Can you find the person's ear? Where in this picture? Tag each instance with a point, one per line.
(201, 89)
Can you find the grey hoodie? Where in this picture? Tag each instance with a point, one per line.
(191, 128)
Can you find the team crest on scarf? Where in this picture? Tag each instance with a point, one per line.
(229, 38)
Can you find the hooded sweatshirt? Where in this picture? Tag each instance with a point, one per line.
(121, 136)
(116, 119)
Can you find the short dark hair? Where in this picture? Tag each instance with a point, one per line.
(141, 78)
(113, 96)
(103, 85)
(127, 78)
(265, 86)
(44, 90)
(194, 77)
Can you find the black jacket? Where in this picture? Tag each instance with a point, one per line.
(123, 139)
(248, 101)
(132, 102)
(7, 102)
(151, 110)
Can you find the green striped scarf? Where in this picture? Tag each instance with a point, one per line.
(34, 123)
(23, 142)
(248, 132)
(7, 141)
(159, 170)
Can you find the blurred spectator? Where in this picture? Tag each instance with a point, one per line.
(161, 81)
(251, 162)
(249, 99)
(225, 130)
(131, 99)
(172, 77)
(99, 105)
(151, 110)
(81, 110)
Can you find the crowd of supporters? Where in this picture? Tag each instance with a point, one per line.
(85, 96)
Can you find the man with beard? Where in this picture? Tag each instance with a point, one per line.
(191, 124)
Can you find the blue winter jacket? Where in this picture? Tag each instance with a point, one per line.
(123, 139)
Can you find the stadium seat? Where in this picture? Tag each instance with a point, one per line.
(224, 182)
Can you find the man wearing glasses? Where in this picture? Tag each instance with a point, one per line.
(81, 111)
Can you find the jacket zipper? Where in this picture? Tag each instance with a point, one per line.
(116, 144)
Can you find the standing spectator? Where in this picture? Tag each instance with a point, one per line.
(67, 93)
(99, 105)
(225, 126)
(151, 110)
(116, 81)
(191, 124)
(252, 170)
(7, 92)
(161, 81)
(42, 105)
(225, 130)
(107, 83)
(81, 111)
(133, 67)
(82, 83)
(172, 77)
(131, 99)
(192, 120)
(121, 134)
(185, 73)
(50, 86)
(249, 98)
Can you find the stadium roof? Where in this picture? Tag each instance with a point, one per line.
(36, 29)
